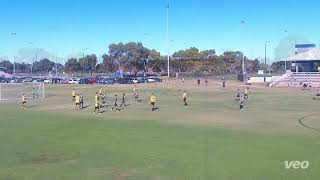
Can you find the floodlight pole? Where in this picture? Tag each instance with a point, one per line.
(243, 65)
(168, 56)
(83, 68)
(35, 59)
(285, 66)
(13, 34)
(243, 68)
(265, 59)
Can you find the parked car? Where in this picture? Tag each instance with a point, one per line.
(13, 80)
(38, 80)
(108, 81)
(92, 80)
(101, 79)
(124, 81)
(3, 80)
(84, 81)
(47, 80)
(65, 81)
(135, 80)
(26, 79)
(154, 79)
(56, 80)
(142, 79)
(74, 81)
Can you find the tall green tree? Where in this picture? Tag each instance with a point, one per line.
(108, 64)
(130, 56)
(43, 66)
(92, 63)
(72, 65)
(6, 66)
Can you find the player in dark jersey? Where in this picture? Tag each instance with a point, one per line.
(242, 101)
(238, 94)
(115, 104)
(223, 83)
(123, 102)
(81, 101)
(317, 95)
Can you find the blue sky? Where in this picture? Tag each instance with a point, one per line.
(64, 28)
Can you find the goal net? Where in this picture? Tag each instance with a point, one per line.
(13, 91)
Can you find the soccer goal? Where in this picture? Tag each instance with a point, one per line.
(14, 91)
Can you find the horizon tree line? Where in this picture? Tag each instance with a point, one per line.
(133, 58)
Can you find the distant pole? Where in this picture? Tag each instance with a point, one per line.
(285, 61)
(83, 68)
(242, 63)
(265, 59)
(83, 61)
(13, 58)
(146, 35)
(285, 66)
(56, 69)
(243, 68)
(168, 56)
(36, 55)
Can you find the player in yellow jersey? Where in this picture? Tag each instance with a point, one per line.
(153, 101)
(73, 94)
(97, 103)
(23, 101)
(77, 99)
(135, 94)
(101, 91)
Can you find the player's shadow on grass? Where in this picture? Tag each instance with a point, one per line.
(106, 106)
(85, 107)
(155, 108)
(32, 106)
(124, 106)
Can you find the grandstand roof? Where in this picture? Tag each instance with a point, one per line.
(311, 55)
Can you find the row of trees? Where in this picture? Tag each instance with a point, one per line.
(134, 57)
(38, 67)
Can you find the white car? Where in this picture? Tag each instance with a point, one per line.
(74, 81)
(151, 80)
(135, 81)
(47, 81)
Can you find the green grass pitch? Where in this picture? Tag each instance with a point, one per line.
(209, 139)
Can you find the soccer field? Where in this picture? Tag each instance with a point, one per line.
(209, 139)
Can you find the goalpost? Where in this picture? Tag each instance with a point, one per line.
(14, 91)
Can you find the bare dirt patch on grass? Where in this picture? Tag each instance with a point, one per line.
(123, 175)
(44, 158)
